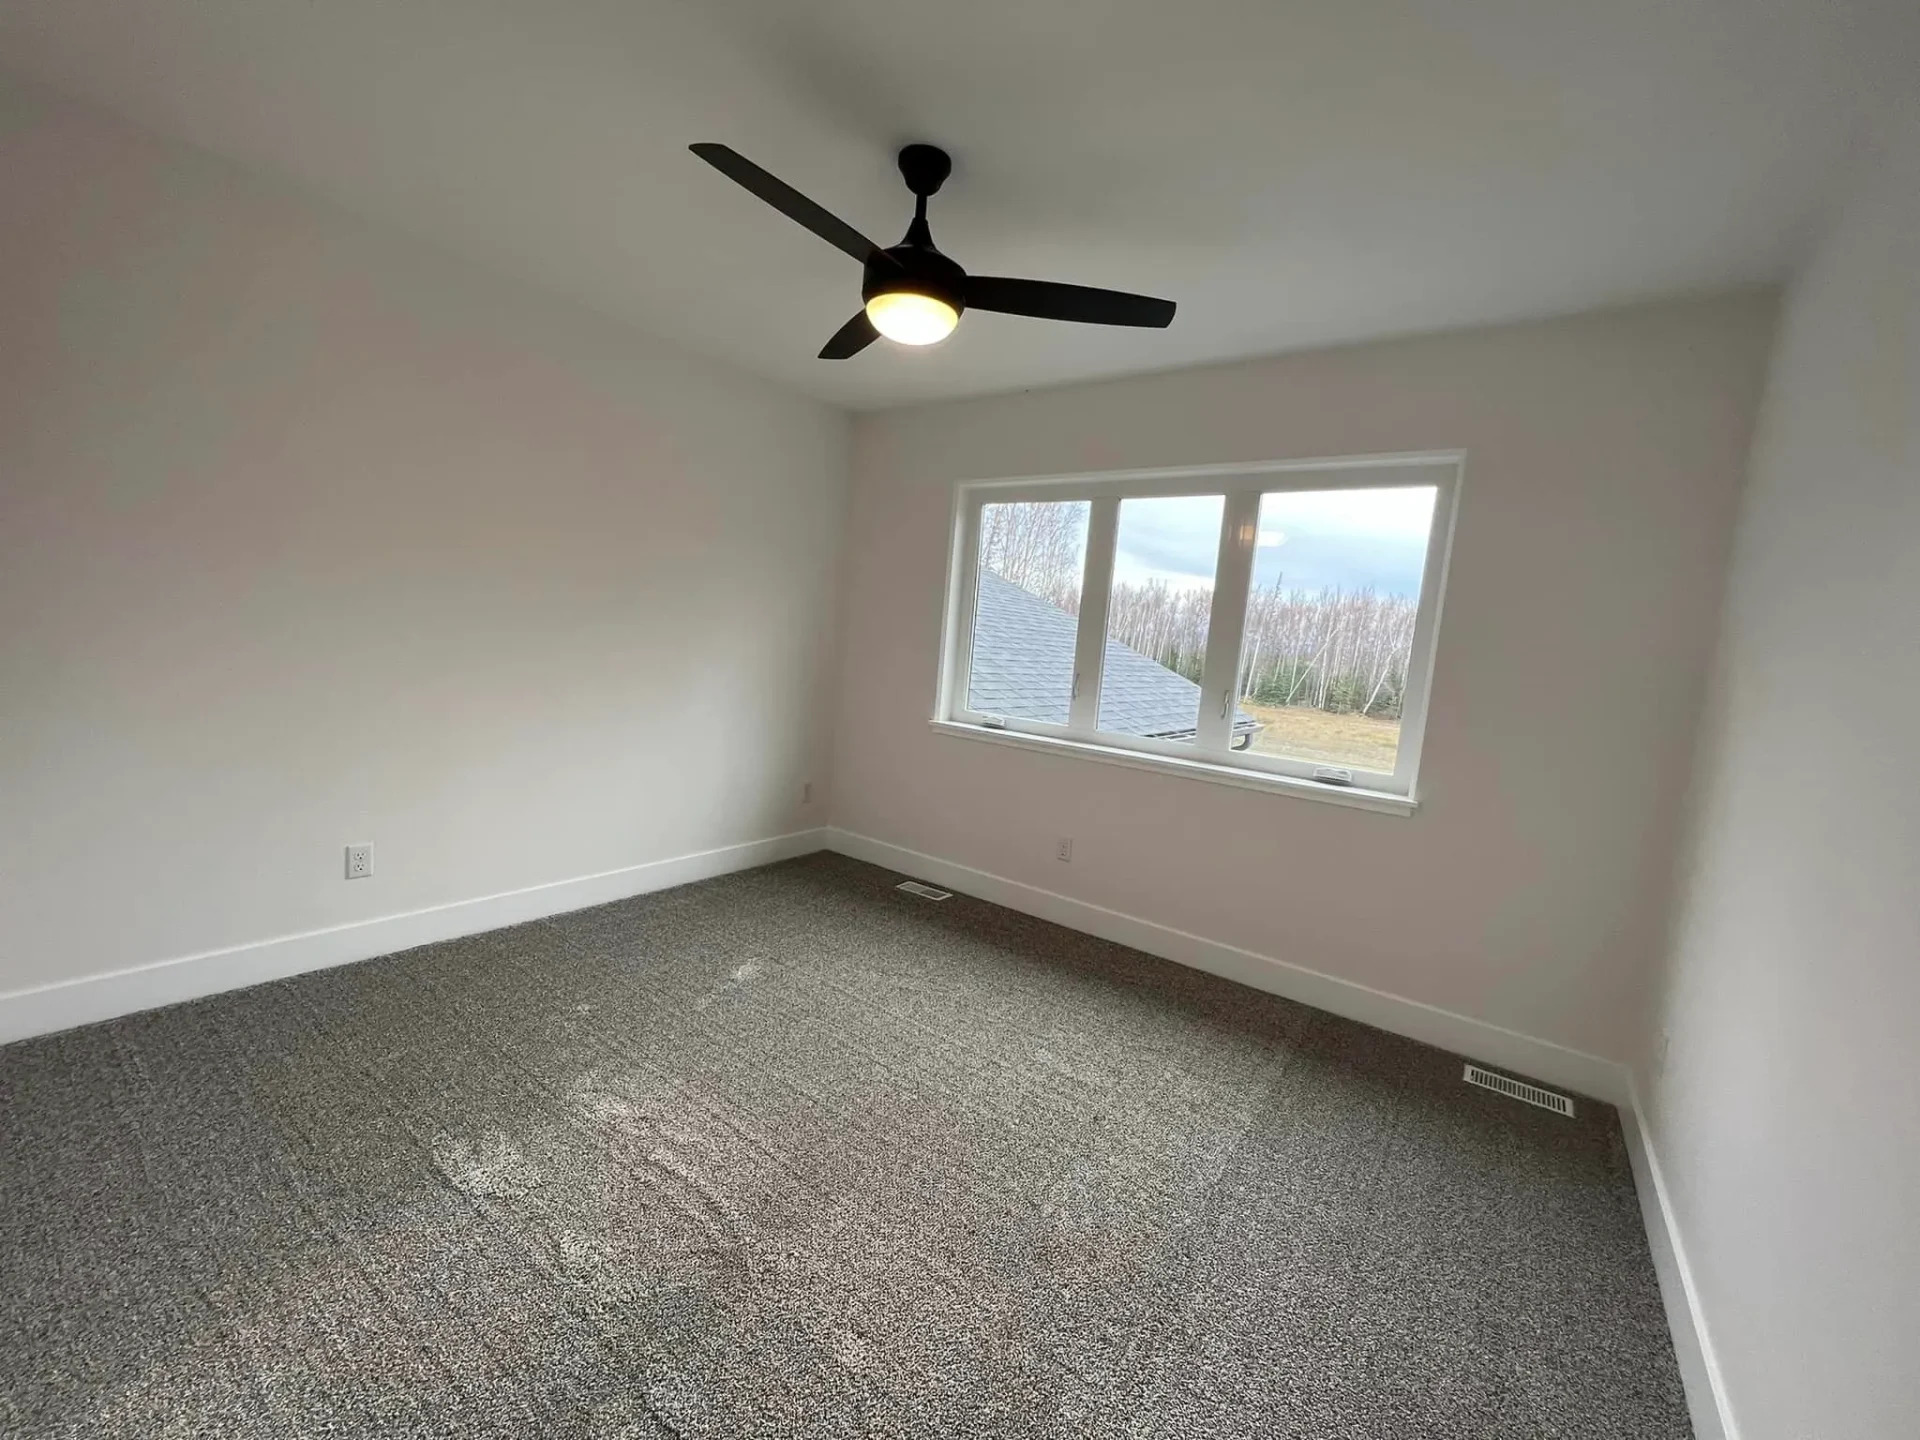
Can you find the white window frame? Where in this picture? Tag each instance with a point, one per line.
(1208, 755)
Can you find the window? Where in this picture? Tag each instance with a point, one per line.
(1032, 557)
(1269, 624)
(1157, 620)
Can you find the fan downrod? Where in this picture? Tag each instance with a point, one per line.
(925, 168)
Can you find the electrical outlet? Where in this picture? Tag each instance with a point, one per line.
(1065, 848)
(359, 861)
(806, 793)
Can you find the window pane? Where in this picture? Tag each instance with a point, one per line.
(1033, 556)
(1164, 555)
(1329, 635)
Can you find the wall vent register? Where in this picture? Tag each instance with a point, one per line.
(925, 892)
(1519, 1090)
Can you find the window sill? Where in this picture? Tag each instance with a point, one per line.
(1378, 801)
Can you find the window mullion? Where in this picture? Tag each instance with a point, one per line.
(1233, 575)
(958, 661)
(1419, 675)
(1083, 716)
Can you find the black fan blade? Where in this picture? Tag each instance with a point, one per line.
(1049, 301)
(850, 339)
(787, 200)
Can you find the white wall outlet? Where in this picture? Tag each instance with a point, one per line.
(359, 861)
(806, 793)
(1065, 849)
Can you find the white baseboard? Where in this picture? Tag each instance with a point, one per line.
(1490, 1044)
(1707, 1400)
(69, 1003)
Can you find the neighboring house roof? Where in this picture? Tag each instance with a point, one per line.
(1023, 667)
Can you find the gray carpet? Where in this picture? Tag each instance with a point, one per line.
(790, 1153)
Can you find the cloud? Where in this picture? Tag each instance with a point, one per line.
(1174, 538)
(1307, 540)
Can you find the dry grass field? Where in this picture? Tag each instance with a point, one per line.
(1324, 738)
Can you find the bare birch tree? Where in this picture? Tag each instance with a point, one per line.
(1038, 545)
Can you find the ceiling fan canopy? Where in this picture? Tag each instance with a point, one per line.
(912, 293)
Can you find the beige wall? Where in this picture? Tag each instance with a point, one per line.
(310, 535)
(1787, 1112)
(1604, 456)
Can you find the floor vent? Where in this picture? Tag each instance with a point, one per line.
(925, 892)
(1519, 1090)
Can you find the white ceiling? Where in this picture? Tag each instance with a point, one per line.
(1291, 173)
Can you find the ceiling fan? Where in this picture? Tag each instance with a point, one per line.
(913, 293)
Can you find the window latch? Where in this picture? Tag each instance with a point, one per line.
(1074, 694)
(1226, 703)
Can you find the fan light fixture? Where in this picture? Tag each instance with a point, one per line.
(912, 319)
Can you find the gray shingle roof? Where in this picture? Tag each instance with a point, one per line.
(1023, 667)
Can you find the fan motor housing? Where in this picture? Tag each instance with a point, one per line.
(918, 268)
